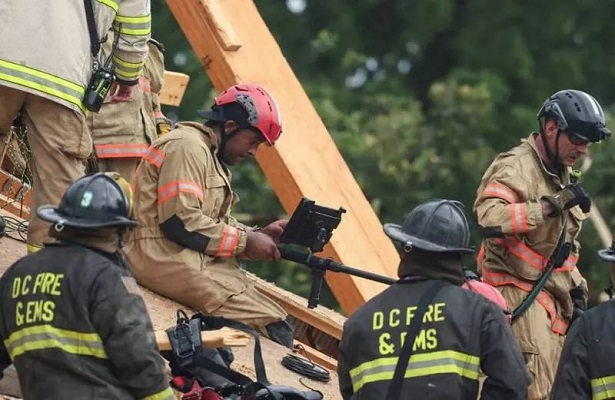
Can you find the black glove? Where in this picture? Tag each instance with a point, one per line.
(578, 298)
(576, 313)
(570, 196)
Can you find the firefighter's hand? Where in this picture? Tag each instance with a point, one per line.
(274, 230)
(121, 93)
(260, 246)
(570, 196)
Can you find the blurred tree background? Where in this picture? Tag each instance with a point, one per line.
(421, 95)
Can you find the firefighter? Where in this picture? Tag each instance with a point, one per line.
(73, 321)
(46, 62)
(461, 332)
(531, 207)
(123, 131)
(187, 246)
(586, 369)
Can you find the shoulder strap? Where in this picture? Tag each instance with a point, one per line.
(557, 259)
(413, 331)
(89, 15)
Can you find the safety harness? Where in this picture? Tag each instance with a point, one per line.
(204, 373)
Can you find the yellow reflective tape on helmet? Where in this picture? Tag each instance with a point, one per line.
(49, 337)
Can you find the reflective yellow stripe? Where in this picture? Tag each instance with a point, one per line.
(33, 248)
(47, 337)
(127, 70)
(110, 3)
(438, 362)
(134, 26)
(166, 394)
(134, 20)
(603, 388)
(42, 81)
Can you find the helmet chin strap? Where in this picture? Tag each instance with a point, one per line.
(554, 158)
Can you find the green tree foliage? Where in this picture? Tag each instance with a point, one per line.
(421, 95)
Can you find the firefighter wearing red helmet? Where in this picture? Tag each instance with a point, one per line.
(188, 246)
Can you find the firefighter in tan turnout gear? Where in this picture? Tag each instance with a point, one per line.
(188, 246)
(124, 130)
(46, 62)
(460, 332)
(530, 208)
(72, 318)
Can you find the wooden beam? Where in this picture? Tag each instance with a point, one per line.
(224, 337)
(305, 161)
(329, 322)
(173, 88)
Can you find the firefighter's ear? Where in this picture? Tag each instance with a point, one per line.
(230, 127)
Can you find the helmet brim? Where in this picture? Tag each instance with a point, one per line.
(395, 232)
(50, 214)
(211, 115)
(607, 255)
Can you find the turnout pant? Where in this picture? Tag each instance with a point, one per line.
(60, 143)
(541, 346)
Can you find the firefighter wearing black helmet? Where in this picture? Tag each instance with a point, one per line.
(530, 204)
(461, 332)
(72, 320)
(586, 370)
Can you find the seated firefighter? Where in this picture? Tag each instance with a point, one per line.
(72, 318)
(459, 332)
(187, 245)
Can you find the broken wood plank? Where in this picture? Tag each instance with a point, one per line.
(173, 88)
(224, 337)
(316, 356)
(305, 162)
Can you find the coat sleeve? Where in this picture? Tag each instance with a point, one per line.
(501, 204)
(501, 359)
(572, 378)
(119, 315)
(181, 197)
(343, 375)
(5, 359)
(133, 25)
